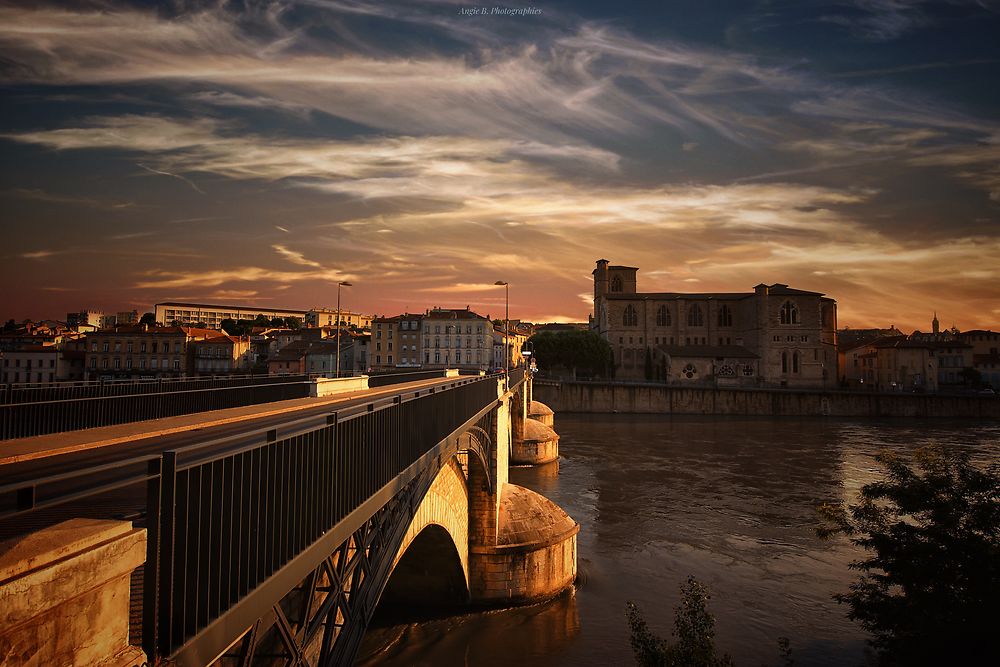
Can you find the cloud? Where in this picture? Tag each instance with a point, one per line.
(295, 257)
(461, 288)
(40, 195)
(163, 279)
(39, 254)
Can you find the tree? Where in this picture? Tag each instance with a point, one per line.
(929, 589)
(578, 351)
(694, 629)
(293, 323)
(230, 326)
(148, 318)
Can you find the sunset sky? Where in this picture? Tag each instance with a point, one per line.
(257, 153)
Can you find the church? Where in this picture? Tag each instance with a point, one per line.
(774, 336)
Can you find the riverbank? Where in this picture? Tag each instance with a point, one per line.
(594, 397)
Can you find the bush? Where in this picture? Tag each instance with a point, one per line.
(694, 628)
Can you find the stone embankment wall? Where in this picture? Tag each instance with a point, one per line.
(648, 398)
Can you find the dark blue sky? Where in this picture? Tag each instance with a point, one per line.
(260, 152)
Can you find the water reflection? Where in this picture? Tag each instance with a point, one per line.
(728, 500)
(532, 635)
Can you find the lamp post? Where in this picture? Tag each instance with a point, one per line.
(339, 285)
(506, 325)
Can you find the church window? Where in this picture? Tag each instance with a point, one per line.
(748, 370)
(727, 371)
(795, 362)
(789, 313)
(662, 316)
(689, 371)
(696, 317)
(630, 318)
(725, 316)
(616, 284)
(784, 362)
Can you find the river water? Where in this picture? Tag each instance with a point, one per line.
(729, 500)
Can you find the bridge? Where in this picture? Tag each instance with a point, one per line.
(272, 540)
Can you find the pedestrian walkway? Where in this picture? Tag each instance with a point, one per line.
(27, 449)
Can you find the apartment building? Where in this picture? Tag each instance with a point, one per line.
(457, 338)
(396, 343)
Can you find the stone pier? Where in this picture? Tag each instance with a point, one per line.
(64, 595)
(522, 546)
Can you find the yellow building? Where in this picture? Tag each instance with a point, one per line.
(457, 338)
(395, 343)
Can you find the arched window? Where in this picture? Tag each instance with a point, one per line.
(789, 313)
(725, 316)
(630, 318)
(616, 284)
(662, 316)
(696, 318)
(795, 362)
(784, 362)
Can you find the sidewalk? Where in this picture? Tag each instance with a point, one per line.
(27, 449)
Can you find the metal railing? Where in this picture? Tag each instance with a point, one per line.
(396, 378)
(122, 404)
(34, 393)
(229, 523)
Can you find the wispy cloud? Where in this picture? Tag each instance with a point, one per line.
(295, 257)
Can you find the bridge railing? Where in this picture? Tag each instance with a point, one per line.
(132, 403)
(396, 378)
(58, 391)
(229, 525)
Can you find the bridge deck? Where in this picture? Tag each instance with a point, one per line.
(245, 417)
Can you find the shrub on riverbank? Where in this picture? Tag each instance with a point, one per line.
(929, 589)
(694, 630)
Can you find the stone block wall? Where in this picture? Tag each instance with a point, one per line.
(662, 399)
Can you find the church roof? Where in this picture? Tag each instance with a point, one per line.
(728, 296)
(712, 351)
(781, 289)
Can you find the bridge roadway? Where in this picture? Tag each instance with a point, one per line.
(129, 501)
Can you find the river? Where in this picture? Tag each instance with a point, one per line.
(729, 500)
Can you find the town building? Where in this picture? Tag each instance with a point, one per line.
(179, 313)
(143, 351)
(89, 320)
(773, 336)
(849, 338)
(396, 343)
(127, 317)
(456, 338)
(29, 334)
(222, 355)
(985, 354)
(954, 360)
(326, 317)
(904, 364)
(33, 363)
(513, 343)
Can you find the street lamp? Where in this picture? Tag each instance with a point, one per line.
(339, 285)
(506, 324)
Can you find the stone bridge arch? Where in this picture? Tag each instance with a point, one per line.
(438, 534)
